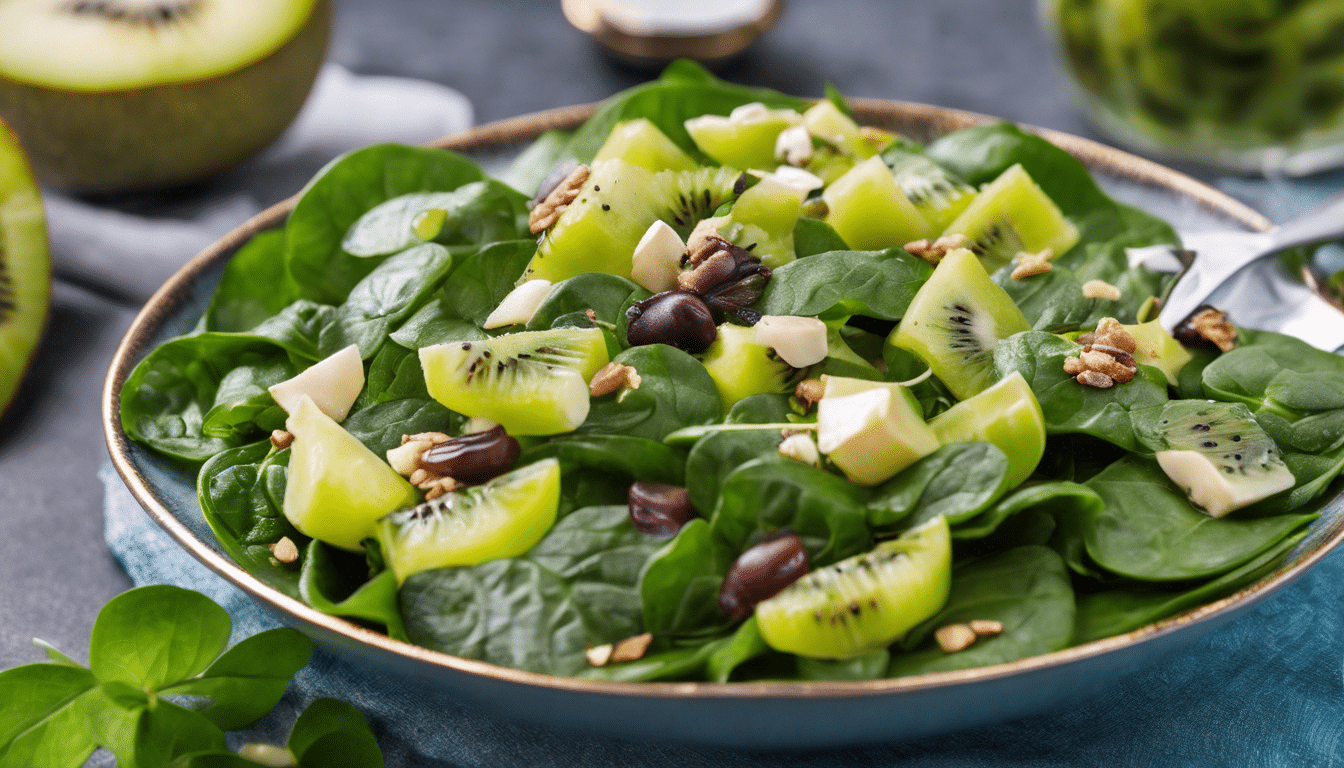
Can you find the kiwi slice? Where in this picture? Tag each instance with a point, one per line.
(533, 382)
(740, 367)
(120, 94)
(936, 194)
(865, 602)
(598, 232)
(745, 138)
(25, 266)
(954, 321)
(337, 488)
(1012, 214)
(639, 142)
(1218, 454)
(502, 518)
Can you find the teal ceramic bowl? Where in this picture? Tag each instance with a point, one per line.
(763, 715)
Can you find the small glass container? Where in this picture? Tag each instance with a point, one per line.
(1253, 86)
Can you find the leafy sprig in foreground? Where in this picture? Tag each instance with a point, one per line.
(161, 689)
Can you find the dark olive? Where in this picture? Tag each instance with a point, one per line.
(473, 458)
(677, 318)
(659, 509)
(761, 572)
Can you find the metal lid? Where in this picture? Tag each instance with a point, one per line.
(655, 31)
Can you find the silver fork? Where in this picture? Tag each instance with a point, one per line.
(1293, 308)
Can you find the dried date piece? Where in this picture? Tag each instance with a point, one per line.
(677, 318)
(474, 458)
(761, 572)
(659, 509)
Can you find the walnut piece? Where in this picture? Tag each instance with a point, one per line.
(282, 439)
(955, 637)
(1107, 357)
(612, 377)
(933, 252)
(1100, 289)
(405, 460)
(548, 210)
(1208, 325)
(1031, 264)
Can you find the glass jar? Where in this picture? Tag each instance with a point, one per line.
(1247, 85)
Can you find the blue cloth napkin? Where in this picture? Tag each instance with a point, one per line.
(1264, 690)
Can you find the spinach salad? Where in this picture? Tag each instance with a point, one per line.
(743, 391)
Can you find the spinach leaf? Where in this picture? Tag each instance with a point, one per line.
(729, 653)
(469, 295)
(1046, 498)
(1116, 611)
(390, 292)
(814, 236)
(535, 163)
(304, 329)
(868, 666)
(242, 492)
(1026, 588)
(635, 458)
(1149, 531)
(1051, 302)
(675, 391)
(1070, 407)
(679, 586)
(326, 586)
(341, 193)
(540, 611)
(672, 664)
(767, 494)
(381, 425)
(243, 405)
(478, 212)
(255, 285)
(394, 374)
(566, 303)
(716, 455)
(957, 481)
(166, 398)
(138, 638)
(841, 283)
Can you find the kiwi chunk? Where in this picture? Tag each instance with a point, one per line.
(1007, 415)
(25, 266)
(865, 602)
(938, 195)
(955, 320)
(502, 518)
(745, 138)
(639, 142)
(532, 383)
(870, 212)
(598, 232)
(1217, 453)
(1012, 214)
(741, 367)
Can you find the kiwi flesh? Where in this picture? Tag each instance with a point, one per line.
(870, 212)
(865, 602)
(505, 517)
(598, 232)
(1218, 455)
(153, 93)
(936, 194)
(25, 267)
(954, 321)
(1013, 214)
(639, 142)
(532, 383)
(741, 367)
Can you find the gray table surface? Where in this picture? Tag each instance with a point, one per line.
(509, 58)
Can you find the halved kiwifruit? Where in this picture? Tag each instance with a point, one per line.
(25, 266)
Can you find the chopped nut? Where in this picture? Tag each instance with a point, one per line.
(548, 210)
(282, 439)
(1029, 264)
(933, 252)
(1112, 334)
(437, 486)
(1074, 366)
(1100, 289)
(285, 550)
(986, 627)
(1094, 379)
(1101, 362)
(599, 656)
(612, 377)
(955, 637)
(809, 391)
(801, 447)
(1206, 326)
(406, 459)
(590, 314)
(632, 648)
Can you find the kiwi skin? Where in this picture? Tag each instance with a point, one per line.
(165, 135)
